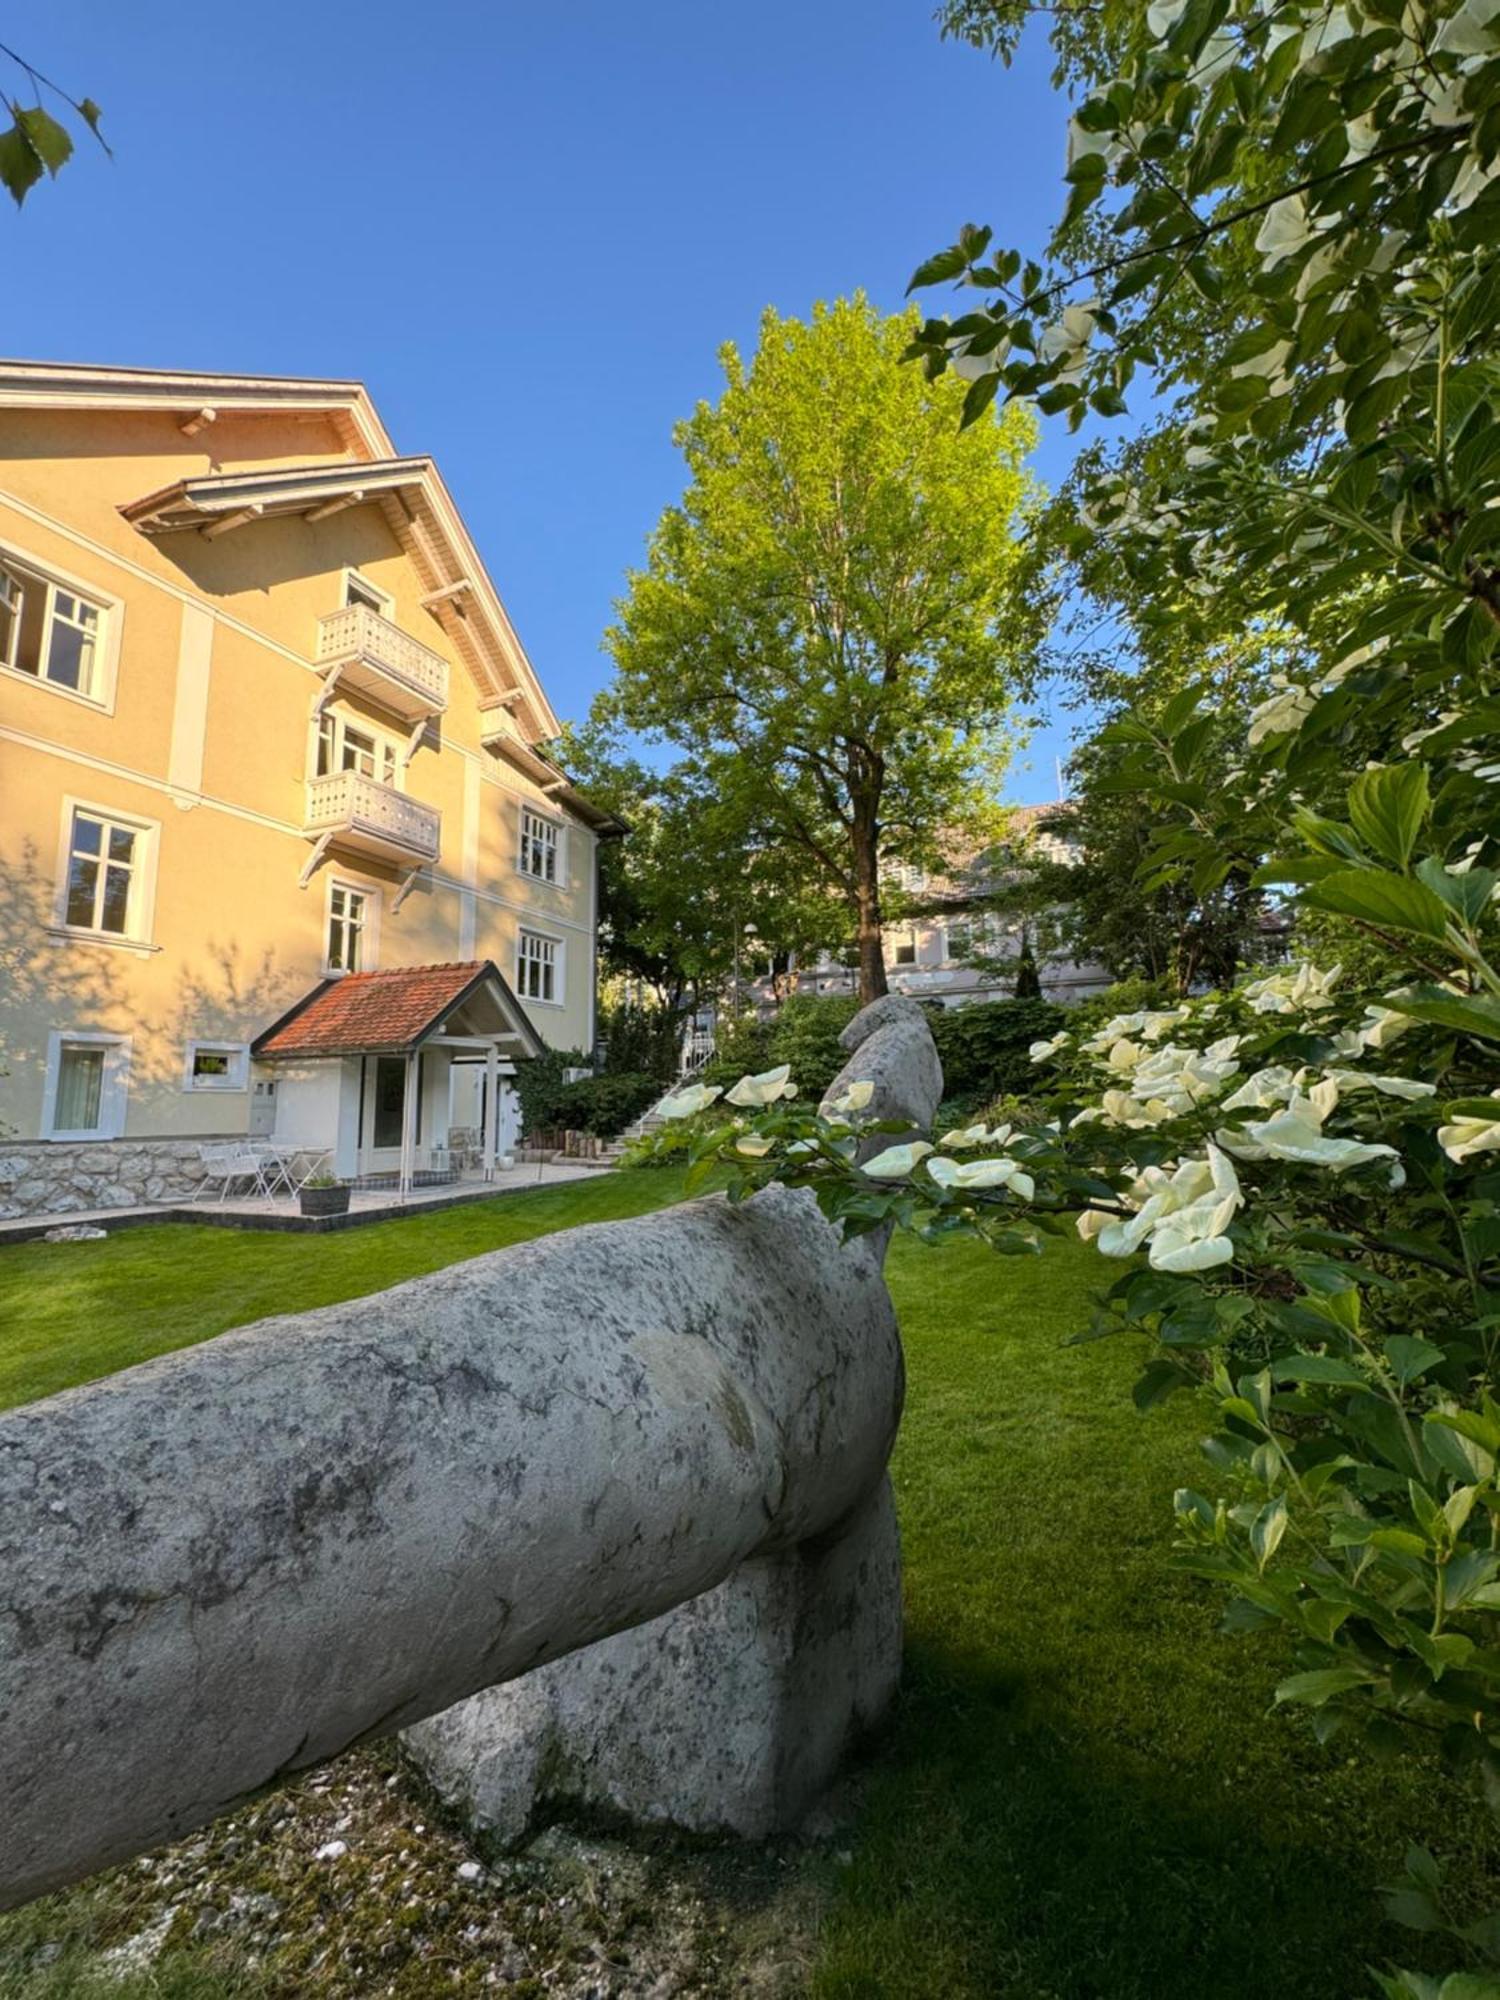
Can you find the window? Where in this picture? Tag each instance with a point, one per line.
(86, 1086)
(342, 747)
(538, 846)
(50, 631)
(105, 873)
(349, 950)
(359, 590)
(906, 948)
(217, 1066)
(536, 967)
(960, 940)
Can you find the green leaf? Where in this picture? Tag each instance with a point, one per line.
(48, 140)
(1267, 1530)
(1389, 807)
(949, 263)
(981, 394)
(1470, 1013)
(20, 167)
(1411, 1357)
(1156, 1382)
(1390, 902)
(1470, 894)
(1320, 1368)
(1321, 1685)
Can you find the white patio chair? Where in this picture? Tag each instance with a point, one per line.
(245, 1165)
(217, 1162)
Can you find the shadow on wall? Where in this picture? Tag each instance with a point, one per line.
(44, 985)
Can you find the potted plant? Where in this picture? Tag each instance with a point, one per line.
(323, 1195)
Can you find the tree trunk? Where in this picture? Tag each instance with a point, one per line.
(872, 980)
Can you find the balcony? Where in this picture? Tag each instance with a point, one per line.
(375, 658)
(369, 818)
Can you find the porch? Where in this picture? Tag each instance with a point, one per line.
(397, 1082)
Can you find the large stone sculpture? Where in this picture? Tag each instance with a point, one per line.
(231, 1563)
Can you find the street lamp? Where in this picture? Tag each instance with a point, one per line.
(749, 931)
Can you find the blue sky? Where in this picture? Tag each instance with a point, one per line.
(527, 229)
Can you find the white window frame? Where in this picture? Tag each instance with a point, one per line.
(369, 929)
(237, 1077)
(138, 936)
(356, 578)
(114, 1089)
(389, 749)
(37, 571)
(558, 879)
(559, 968)
(899, 941)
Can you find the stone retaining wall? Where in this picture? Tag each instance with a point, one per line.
(61, 1177)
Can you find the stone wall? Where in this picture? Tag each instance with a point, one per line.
(60, 1177)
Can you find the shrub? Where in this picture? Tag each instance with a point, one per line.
(605, 1105)
(540, 1087)
(805, 1034)
(983, 1048)
(641, 1041)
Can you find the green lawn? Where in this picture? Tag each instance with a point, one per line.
(71, 1311)
(1081, 1796)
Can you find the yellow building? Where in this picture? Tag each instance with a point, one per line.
(264, 726)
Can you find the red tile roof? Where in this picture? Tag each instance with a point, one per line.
(368, 1013)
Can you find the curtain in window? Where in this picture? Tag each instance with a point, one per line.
(80, 1090)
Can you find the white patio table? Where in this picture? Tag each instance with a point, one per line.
(290, 1168)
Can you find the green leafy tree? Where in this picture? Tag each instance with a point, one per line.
(694, 875)
(36, 142)
(830, 623)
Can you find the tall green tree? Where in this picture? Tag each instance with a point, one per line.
(831, 624)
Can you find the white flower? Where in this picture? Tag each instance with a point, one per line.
(1185, 1213)
(697, 1097)
(855, 1098)
(1118, 1107)
(1390, 1086)
(1295, 1136)
(752, 1146)
(1286, 228)
(756, 1092)
(1126, 1055)
(896, 1162)
(1281, 715)
(1263, 1091)
(1470, 1133)
(1090, 1222)
(1162, 17)
(1382, 1026)
(1040, 1051)
(1172, 1250)
(1307, 991)
(961, 1138)
(982, 1174)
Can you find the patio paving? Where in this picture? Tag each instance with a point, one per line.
(281, 1212)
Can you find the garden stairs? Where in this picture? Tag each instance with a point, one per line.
(609, 1151)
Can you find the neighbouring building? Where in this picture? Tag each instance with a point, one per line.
(926, 950)
(283, 855)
